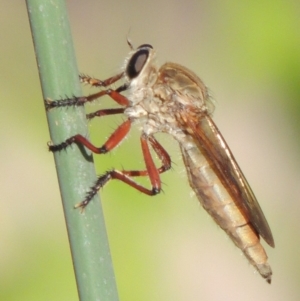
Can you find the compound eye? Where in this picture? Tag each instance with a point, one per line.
(136, 63)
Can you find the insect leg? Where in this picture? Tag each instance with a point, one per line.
(94, 82)
(105, 112)
(117, 136)
(162, 155)
(125, 176)
(81, 100)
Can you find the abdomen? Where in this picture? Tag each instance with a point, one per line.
(217, 201)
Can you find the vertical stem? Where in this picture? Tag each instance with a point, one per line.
(59, 77)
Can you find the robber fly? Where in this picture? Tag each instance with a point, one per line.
(172, 99)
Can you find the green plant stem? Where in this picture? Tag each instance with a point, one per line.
(59, 77)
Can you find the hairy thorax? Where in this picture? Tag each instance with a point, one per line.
(157, 99)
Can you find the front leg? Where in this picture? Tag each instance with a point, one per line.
(76, 101)
(94, 82)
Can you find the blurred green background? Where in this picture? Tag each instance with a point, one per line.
(165, 247)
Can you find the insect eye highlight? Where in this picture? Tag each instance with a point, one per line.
(136, 63)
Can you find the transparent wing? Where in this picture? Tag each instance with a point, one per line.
(216, 150)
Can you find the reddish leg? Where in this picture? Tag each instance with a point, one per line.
(105, 112)
(80, 101)
(114, 140)
(117, 136)
(125, 176)
(162, 155)
(94, 82)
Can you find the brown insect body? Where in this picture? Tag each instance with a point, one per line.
(173, 100)
(177, 102)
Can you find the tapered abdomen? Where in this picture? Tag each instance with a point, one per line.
(226, 212)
